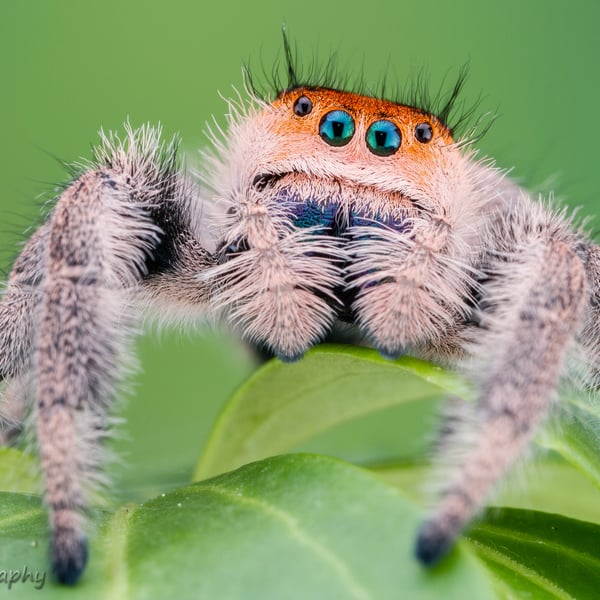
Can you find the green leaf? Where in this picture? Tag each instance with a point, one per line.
(19, 472)
(549, 485)
(576, 435)
(308, 525)
(23, 551)
(296, 526)
(540, 555)
(282, 405)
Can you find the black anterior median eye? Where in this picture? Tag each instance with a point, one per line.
(303, 106)
(383, 138)
(337, 128)
(423, 133)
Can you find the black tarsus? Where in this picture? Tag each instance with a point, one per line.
(67, 567)
(432, 545)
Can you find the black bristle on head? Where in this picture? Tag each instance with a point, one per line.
(289, 72)
(290, 60)
(445, 111)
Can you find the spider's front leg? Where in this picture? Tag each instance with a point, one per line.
(532, 308)
(112, 234)
(17, 309)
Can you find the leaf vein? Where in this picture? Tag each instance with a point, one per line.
(299, 534)
(527, 573)
(532, 539)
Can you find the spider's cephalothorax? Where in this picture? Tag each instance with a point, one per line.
(323, 205)
(333, 198)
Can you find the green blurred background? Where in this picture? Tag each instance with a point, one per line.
(70, 67)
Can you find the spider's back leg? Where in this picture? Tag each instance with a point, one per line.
(17, 326)
(18, 306)
(590, 337)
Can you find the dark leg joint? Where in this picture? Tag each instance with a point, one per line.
(69, 555)
(434, 541)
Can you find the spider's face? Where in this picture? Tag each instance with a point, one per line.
(316, 180)
(346, 153)
(364, 140)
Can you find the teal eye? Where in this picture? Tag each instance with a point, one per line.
(337, 128)
(383, 138)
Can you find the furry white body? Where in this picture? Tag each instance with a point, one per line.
(427, 251)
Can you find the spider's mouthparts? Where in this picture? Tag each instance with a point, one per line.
(261, 182)
(326, 207)
(225, 251)
(334, 217)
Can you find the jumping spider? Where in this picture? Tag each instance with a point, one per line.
(316, 206)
